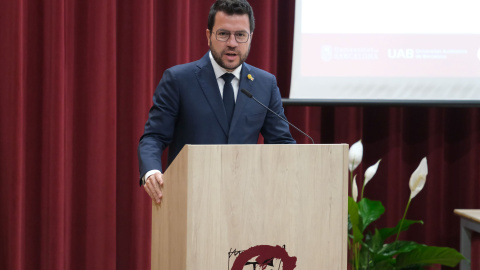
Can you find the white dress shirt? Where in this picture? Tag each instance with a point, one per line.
(219, 71)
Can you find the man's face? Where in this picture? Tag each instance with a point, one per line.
(229, 54)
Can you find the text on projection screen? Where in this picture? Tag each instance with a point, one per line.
(407, 50)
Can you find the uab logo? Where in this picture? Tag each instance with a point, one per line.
(401, 53)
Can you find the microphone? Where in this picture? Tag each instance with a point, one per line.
(248, 94)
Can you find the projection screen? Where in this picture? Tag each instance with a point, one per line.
(422, 50)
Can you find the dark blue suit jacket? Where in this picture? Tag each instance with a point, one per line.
(188, 109)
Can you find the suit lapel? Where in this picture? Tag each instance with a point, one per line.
(209, 85)
(242, 99)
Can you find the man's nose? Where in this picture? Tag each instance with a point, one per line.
(232, 42)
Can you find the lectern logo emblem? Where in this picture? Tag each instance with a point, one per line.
(262, 257)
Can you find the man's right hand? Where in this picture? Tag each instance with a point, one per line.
(153, 186)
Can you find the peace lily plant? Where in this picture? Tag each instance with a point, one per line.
(371, 248)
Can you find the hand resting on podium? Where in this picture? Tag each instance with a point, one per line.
(153, 186)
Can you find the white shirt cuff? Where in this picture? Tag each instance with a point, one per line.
(145, 177)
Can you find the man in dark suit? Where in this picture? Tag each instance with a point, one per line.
(201, 102)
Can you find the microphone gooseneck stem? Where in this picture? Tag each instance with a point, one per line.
(248, 94)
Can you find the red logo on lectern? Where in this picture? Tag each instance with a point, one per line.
(261, 257)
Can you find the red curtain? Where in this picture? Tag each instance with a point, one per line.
(76, 80)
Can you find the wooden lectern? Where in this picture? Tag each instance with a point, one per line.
(227, 205)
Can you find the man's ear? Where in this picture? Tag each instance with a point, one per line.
(209, 35)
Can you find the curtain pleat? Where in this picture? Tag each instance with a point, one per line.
(77, 79)
(135, 84)
(91, 113)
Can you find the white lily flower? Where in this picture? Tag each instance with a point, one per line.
(355, 155)
(370, 172)
(354, 188)
(418, 178)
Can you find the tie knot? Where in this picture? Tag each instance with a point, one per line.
(228, 77)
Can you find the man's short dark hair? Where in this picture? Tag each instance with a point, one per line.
(231, 7)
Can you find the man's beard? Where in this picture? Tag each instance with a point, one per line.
(218, 58)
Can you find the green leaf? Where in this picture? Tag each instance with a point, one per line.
(387, 232)
(428, 255)
(372, 243)
(349, 223)
(397, 247)
(384, 265)
(364, 258)
(354, 220)
(369, 212)
(389, 251)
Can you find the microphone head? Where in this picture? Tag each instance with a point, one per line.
(248, 94)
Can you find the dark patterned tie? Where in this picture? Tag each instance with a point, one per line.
(228, 97)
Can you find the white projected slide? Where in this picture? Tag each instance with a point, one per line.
(388, 50)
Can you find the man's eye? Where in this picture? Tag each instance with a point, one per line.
(241, 34)
(223, 34)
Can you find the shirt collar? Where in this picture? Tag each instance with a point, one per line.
(219, 71)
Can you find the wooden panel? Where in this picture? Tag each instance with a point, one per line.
(169, 219)
(240, 196)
